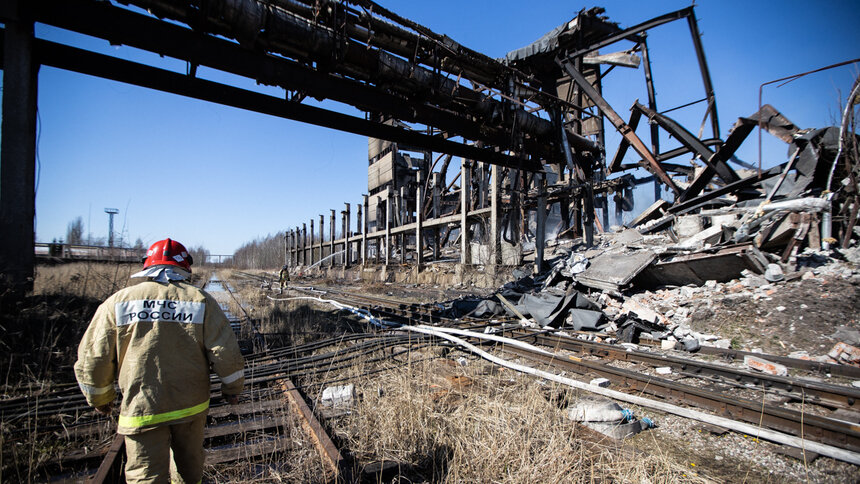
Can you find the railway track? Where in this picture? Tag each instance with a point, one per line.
(274, 414)
(727, 391)
(272, 418)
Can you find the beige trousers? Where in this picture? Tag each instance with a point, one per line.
(149, 453)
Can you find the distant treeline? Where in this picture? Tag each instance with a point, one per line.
(262, 253)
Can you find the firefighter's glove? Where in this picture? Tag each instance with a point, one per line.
(105, 409)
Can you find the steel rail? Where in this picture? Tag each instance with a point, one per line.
(835, 396)
(820, 429)
(826, 430)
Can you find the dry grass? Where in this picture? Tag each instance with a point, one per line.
(442, 421)
(36, 356)
(42, 331)
(445, 422)
(84, 279)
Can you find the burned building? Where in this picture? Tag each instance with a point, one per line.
(527, 131)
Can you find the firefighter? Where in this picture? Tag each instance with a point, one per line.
(159, 338)
(284, 277)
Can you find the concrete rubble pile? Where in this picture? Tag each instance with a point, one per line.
(638, 281)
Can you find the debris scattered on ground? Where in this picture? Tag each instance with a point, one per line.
(338, 396)
(765, 366)
(607, 417)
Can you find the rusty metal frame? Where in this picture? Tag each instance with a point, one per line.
(632, 34)
(626, 131)
(693, 143)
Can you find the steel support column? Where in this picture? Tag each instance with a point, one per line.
(419, 217)
(304, 244)
(18, 155)
(331, 240)
(346, 229)
(358, 219)
(322, 239)
(388, 215)
(706, 75)
(311, 233)
(296, 235)
(465, 195)
(540, 235)
(364, 232)
(495, 202)
(652, 103)
(437, 211)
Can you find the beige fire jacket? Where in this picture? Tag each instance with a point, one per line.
(160, 338)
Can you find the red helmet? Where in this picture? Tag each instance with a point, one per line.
(168, 252)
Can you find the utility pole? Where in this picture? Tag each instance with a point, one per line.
(111, 212)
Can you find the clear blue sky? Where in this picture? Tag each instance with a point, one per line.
(216, 176)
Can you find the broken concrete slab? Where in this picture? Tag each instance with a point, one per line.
(689, 344)
(848, 335)
(687, 226)
(600, 382)
(725, 220)
(614, 271)
(628, 237)
(774, 273)
(722, 343)
(656, 210)
(639, 310)
(723, 264)
(710, 235)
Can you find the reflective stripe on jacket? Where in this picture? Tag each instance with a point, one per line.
(160, 339)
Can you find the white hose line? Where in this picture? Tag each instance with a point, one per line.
(491, 337)
(779, 437)
(774, 436)
(362, 313)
